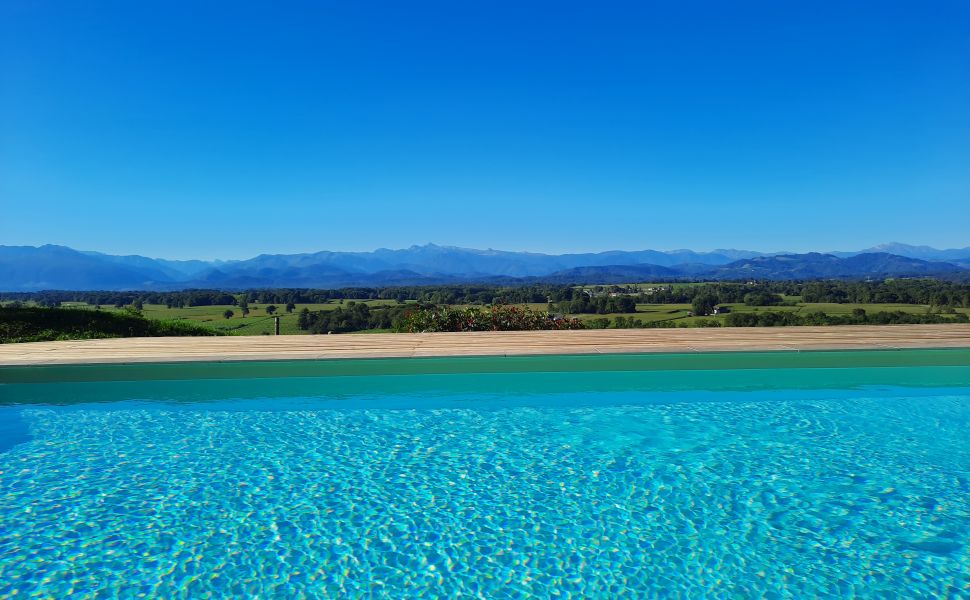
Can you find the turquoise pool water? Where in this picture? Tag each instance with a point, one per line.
(835, 474)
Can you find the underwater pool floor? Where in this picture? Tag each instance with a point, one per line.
(497, 485)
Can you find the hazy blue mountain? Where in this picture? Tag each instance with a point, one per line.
(25, 268)
(612, 274)
(654, 257)
(824, 266)
(787, 266)
(318, 277)
(920, 252)
(434, 260)
(173, 269)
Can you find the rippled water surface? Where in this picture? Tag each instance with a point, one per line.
(445, 488)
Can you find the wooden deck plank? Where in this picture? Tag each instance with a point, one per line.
(324, 347)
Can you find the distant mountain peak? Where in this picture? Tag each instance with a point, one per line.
(24, 268)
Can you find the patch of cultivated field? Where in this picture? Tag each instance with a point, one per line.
(259, 322)
(844, 309)
(679, 312)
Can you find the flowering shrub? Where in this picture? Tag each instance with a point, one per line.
(500, 317)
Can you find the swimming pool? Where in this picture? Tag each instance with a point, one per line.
(705, 475)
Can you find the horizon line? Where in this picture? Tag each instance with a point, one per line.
(488, 249)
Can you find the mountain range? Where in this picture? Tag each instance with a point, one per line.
(30, 268)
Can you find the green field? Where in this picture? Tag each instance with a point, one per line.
(257, 322)
(678, 312)
(647, 313)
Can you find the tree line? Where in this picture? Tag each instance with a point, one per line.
(284, 296)
(859, 316)
(602, 305)
(602, 299)
(355, 316)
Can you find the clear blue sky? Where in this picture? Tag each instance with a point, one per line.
(179, 130)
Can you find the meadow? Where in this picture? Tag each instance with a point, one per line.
(258, 322)
(680, 313)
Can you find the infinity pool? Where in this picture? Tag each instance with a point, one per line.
(832, 474)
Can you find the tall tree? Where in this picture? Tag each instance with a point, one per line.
(703, 304)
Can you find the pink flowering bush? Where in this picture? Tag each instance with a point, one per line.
(500, 317)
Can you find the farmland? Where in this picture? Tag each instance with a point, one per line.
(258, 322)
(680, 313)
(747, 304)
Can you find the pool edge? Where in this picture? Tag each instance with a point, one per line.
(423, 365)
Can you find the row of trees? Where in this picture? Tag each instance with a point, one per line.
(355, 316)
(785, 319)
(766, 293)
(588, 300)
(901, 291)
(705, 301)
(291, 296)
(602, 305)
(858, 317)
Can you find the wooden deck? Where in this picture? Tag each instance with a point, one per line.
(319, 347)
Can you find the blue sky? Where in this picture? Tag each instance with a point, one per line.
(231, 129)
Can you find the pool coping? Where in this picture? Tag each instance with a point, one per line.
(947, 358)
(119, 351)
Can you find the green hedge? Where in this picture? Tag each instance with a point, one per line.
(35, 324)
(858, 317)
